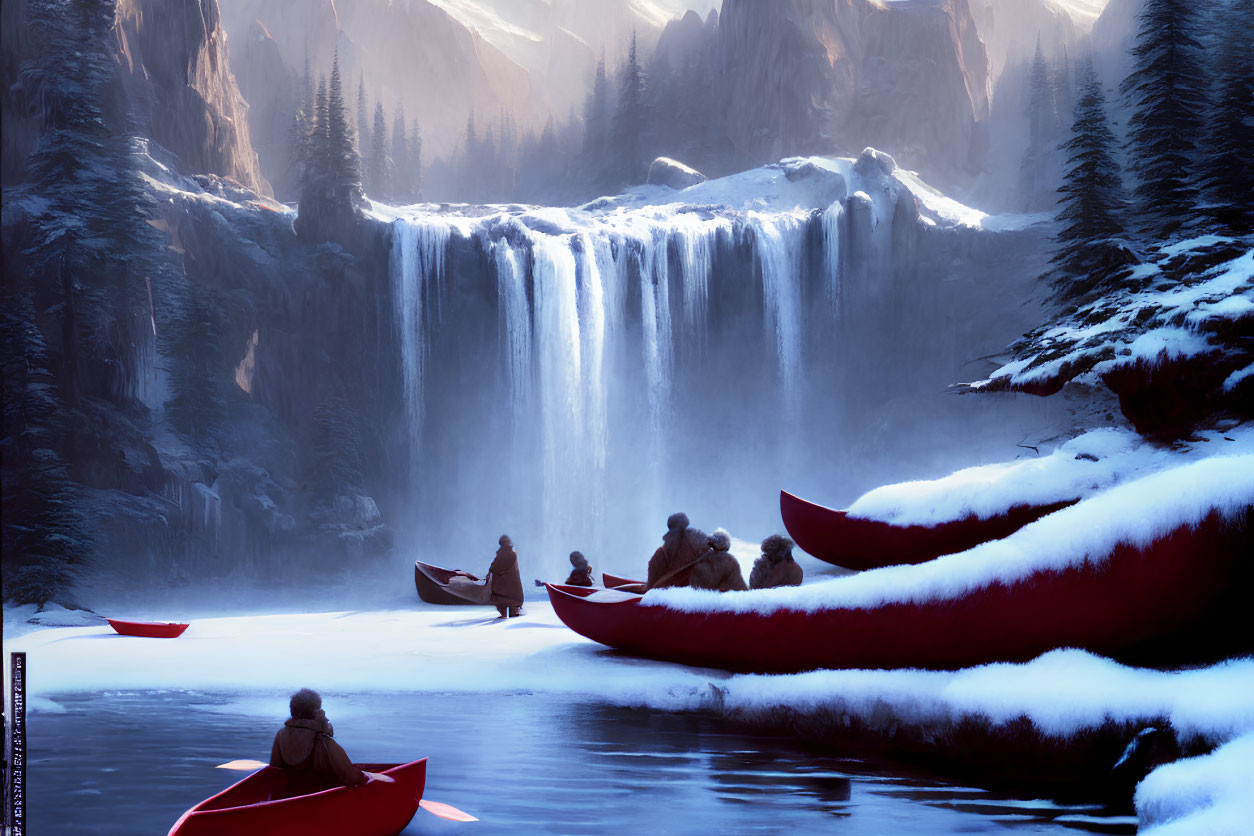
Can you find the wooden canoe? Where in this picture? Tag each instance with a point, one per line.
(148, 629)
(437, 585)
(1175, 600)
(260, 806)
(857, 543)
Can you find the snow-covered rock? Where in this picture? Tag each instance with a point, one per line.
(672, 173)
(1166, 343)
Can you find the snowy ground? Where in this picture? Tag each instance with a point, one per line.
(407, 647)
(261, 659)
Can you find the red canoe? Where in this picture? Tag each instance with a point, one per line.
(1172, 600)
(258, 805)
(856, 543)
(148, 629)
(614, 581)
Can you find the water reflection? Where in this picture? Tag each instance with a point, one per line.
(130, 763)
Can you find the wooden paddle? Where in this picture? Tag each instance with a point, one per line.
(435, 808)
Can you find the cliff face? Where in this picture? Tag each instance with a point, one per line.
(417, 54)
(178, 88)
(838, 75)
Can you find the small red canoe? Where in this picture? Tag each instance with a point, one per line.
(259, 806)
(856, 543)
(614, 582)
(437, 585)
(1174, 599)
(148, 629)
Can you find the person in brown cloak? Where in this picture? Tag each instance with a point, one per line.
(776, 566)
(581, 575)
(305, 748)
(505, 580)
(718, 569)
(681, 547)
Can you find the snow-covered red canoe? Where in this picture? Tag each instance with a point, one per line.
(857, 543)
(148, 629)
(1173, 599)
(437, 585)
(259, 805)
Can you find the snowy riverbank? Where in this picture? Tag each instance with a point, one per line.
(260, 659)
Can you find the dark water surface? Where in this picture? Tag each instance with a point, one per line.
(132, 762)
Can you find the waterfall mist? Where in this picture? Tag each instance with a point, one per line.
(593, 370)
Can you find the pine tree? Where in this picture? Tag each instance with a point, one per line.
(363, 117)
(415, 160)
(627, 133)
(471, 172)
(596, 161)
(197, 406)
(1228, 166)
(46, 537)
(382, 167)
(1166, 94)
(345, 168)
(300, 134)
(1034, 173)
(404, 189)
(1091, 202)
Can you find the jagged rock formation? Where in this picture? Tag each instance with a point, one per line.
(833, 76)
(179, 90)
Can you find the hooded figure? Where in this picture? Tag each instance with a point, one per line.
(304, 747)
(507, 588)
(775, 567)
(717, 569)
(581, 575)
(681, 546)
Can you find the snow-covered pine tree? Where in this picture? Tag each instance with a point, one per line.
(1166, 94)
(382, 169)
(1228, 165)
(1091, 204)
(1035, 183)
(627, 131)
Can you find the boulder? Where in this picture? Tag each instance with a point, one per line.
(667, 172)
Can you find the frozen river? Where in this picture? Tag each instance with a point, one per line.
(131, 762)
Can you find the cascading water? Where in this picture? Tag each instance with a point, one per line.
(596, 369)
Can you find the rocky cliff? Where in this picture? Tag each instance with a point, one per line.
(418, 54)
(834, 76)
(179, 89)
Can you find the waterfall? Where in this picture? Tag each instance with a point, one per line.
(778, 240)
(515, 315)
(417, 266)
(831, 221)
(621, 398)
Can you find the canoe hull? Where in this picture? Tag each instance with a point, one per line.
(255, 806)
(616, 582)
(1165, 602)
(835, 537)
(147, 629)
(437, 585)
